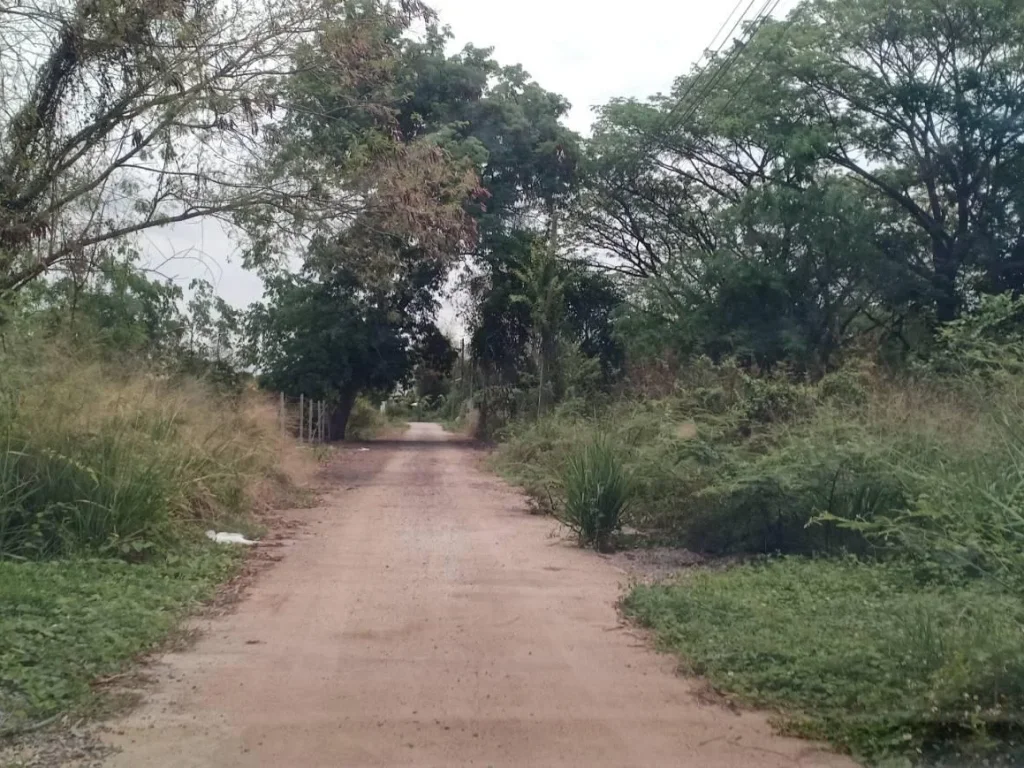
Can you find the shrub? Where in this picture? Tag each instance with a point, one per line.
(365, 421)
(824, 469)
(845, 387)
(769, 400)
(964, 510)
(121, 465)
(597, 491)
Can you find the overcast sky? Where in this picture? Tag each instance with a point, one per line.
(575, 48)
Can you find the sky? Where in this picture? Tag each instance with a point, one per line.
(585, 51)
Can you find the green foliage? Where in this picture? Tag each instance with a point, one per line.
(770, 400)
(510, 129)
(597, 492)
(66, 623)
(824, 193)
(366, 421)
(318, 338)
(107, 482)
(866, 656)
(731, 463)
(989, 340)
(335, 336)
(962, 510)
(113, 310)
(113, 466)
(911, 650)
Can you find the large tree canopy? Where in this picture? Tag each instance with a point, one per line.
(116, 117)
(837, 173)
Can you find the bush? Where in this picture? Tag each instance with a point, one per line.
(365, 422)
(775, 467)
(123, 466)
(597, 491)
(963, 510)
(770, 400)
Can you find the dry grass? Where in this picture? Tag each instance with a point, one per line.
(136, 456)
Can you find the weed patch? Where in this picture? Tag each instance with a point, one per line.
(67, 622)
(107, 482)
(869, 657)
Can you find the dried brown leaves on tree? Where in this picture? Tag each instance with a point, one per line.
(116, 117)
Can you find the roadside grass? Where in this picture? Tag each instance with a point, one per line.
(914, 650)
(107, 482)
(871, 657)
(66, 623)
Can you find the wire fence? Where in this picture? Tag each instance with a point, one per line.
(304, 418)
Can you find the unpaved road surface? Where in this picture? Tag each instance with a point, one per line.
(422, 618)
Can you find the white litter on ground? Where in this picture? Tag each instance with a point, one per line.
(221, 537)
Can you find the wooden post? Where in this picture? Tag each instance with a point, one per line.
(302, 412)
(309, 432)
(320, 421)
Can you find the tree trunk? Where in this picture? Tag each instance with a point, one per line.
(540, 388)
(340, 414)
(945, 267)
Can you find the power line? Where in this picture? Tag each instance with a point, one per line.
(756, 66)
(767, 8)
(721, 28)
(693, 83)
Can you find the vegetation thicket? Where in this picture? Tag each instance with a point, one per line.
(774, 314)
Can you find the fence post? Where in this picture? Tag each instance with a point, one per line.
(320, 421)
(302, 412)
(309, 431)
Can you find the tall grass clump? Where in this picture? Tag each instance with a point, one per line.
(596, 491)
(124, 465)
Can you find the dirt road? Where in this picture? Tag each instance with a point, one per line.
(422, 618)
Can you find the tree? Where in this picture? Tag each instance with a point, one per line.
(592, 301)
(785, 263)
(113, 305)
(543, 291)
(434, 359)
(117, 117)
(508, 128)
(334, 332)
(923, 103)
(848, 171)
